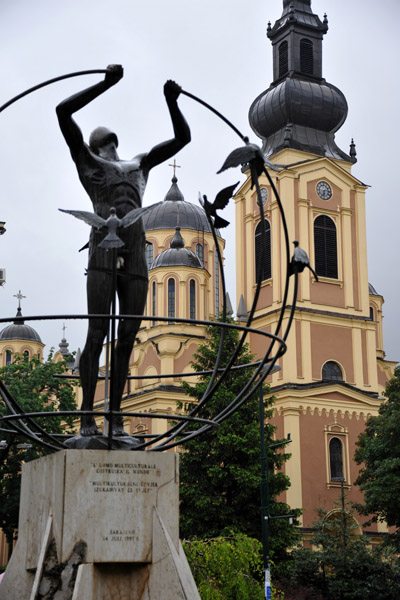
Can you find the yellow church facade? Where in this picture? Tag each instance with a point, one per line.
(333, 374)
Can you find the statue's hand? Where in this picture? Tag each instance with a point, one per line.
(114, 74)
(172, 90)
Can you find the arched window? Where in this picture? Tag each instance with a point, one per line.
(216, 279)
(154, 301)
(283, 59)
(192, 299)
(26, 354)
(371, 313)
(336, 459)
(200, 252)
(306, 57)
(258, 238)
(149, 254)
(171, 297)
(8, 357)
(331, 371)
(325, 247)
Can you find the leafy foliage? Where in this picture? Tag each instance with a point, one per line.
(220, 471)
(341, 564)
(34, 385)
(227, 568)
(378, 450)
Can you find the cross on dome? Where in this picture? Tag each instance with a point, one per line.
(19, 296)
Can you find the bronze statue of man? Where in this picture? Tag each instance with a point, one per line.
(111, 182)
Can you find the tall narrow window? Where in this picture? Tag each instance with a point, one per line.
(216, 280)
(192, 298)
(149, 254)
(259, 239)
(154, 301)
(336, 459)
(331, 371)
(8, 357)
(325, 247)
(171, 297)
(200, 252)
(283, 59)
(306, 57)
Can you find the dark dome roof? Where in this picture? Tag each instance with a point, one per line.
(177, 255)
(372, 290)
(174, 211)
(19, 331)
(299, 113)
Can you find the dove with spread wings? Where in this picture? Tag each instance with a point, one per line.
(112, 223)
(252, 155)
(220, 202)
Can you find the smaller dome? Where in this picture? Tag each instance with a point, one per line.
(19, 331)
(177, 255)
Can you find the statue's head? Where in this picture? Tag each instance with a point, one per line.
(100, 137)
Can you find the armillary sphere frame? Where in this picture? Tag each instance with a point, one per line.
(24, 425)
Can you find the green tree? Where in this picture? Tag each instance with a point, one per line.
(378, 451)
(220, 471)
(214, 561)
(341, 564)
(36, 388)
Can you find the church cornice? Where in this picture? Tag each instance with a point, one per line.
(321, 385)
(314, 311)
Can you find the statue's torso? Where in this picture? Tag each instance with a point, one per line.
(112, 183)
(119, 184)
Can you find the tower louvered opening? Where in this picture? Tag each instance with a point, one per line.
(259, 238)
(306, 57)
(325, 247)
(283, 59)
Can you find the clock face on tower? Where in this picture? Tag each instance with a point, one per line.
(324, 190)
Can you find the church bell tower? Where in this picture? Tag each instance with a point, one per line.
(334, 372)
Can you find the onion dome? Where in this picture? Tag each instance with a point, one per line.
(19, 331)
(175, 211)
(300, 109)
(64, 348)
(177, 255)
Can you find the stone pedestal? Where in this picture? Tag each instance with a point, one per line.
(105, 523)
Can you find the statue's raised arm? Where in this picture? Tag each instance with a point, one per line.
(70, 130)
(166, 150)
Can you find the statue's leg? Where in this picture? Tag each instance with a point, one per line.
(132, 293)
(99, 294)
(127, 331)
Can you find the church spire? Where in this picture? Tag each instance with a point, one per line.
(300, 109)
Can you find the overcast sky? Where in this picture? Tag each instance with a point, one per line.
(216, 49)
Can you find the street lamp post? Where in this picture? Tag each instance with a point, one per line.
(264, 490)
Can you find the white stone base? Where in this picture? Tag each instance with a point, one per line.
(123, 505)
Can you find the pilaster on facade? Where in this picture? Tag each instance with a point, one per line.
(347, 241)
(291, 427)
